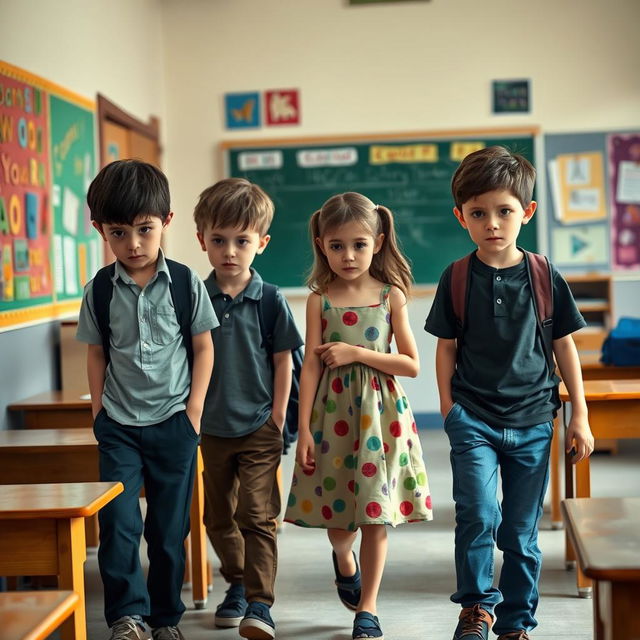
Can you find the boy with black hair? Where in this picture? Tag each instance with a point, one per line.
(147, 396)
(246, 404)
(498, 396)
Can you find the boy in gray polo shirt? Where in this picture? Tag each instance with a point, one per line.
(245, 405)
(147, 401)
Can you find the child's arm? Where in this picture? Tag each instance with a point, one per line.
(404, 363)
(446, 352)
(282, 372)
(578, 432)
(200, 376)
(96, 367)
(309, 378)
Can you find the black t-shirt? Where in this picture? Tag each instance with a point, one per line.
(501, 372)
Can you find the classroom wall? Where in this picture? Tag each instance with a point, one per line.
(111, 46)
(399, 67)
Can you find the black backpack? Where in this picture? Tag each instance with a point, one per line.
(267, 312)
(180, 288)
(539, 274)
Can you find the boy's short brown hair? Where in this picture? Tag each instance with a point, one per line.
(234, 202)
(493, 169)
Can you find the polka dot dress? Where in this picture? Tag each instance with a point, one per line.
(369, 467)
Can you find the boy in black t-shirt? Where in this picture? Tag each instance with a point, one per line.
(499, 398)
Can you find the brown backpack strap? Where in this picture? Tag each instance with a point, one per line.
(460, 271)
(540, 279)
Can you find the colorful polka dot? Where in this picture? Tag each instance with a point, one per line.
(421, 478)
(414, 427)
(373, 443)
(369, 469)
(406, 508)
(335, 337)
(306, 506)
(403, 461)
(330, 406)
(345, 382)
(356, 444)
(341, 428)
(409, 484)
(317, 437)
(375, 384)
(292, 500)
(324, 324)
(325, 446)
(329, 484)
(351, 486)
(427, 502)
(358, 401)
(373, 509)
(365, 421)
(400, 405)
(390, 385)
(336, 385)
(318, 491)
(339, 505)
(385, 489)
(350, 318)
(327, 514)
(349, 462)
(395, 428)
(338, 462)
(371, 334)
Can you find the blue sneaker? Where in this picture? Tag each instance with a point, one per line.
(257, 623)
(231, 610)
(474, 624)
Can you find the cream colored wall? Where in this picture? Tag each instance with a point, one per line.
(398, 67)
(114, 47)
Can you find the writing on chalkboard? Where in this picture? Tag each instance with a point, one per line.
(412, 177)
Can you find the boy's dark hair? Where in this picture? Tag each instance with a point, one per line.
(491, 169)
(234, 202)
(125, 189)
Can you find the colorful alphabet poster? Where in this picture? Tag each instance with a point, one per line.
(47, 158)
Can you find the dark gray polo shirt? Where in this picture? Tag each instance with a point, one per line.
(501, 373)
(147, 379)
(240, 395)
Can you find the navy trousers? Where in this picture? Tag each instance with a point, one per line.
(162, 457)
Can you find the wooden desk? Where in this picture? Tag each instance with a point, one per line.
(33, 615)
(53, 409)
(71, 455)
(605, 533)
(614, 412)
(42, 534)
(592, 369)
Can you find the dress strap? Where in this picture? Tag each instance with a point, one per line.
(384, 295)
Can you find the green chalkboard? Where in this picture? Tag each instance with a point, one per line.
(411, 176)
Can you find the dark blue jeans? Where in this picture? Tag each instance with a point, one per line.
(478, 451)
(161, 457)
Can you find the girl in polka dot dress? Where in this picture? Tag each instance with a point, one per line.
(358, 460)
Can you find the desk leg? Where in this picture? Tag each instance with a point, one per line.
(92, 530)
(71, 556)
(624, 622)
(199, 570)
(556, 448)
(569, 492)
(583, 490)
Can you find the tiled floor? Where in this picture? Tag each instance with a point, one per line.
(414, 601)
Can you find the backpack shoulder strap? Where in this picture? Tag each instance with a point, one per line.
(459, 282)
(267, 315)
(180, 289)
(540, 279)
(102, 292)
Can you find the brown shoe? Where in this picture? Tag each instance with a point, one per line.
(514, 635)
(474, 624)
(167, 633)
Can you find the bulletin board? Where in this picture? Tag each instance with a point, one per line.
(48, 250)
(411, 174)
(593, 195)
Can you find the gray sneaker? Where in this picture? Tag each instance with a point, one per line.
(167, 633)
(126, 628)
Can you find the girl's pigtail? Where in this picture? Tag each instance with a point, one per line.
(320, 275)
(389, 264)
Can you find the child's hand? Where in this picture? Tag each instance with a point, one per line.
(194, 418)
(305, 451)
(579, 438)
(336, 354)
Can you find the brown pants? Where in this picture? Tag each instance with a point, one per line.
(242, 502)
